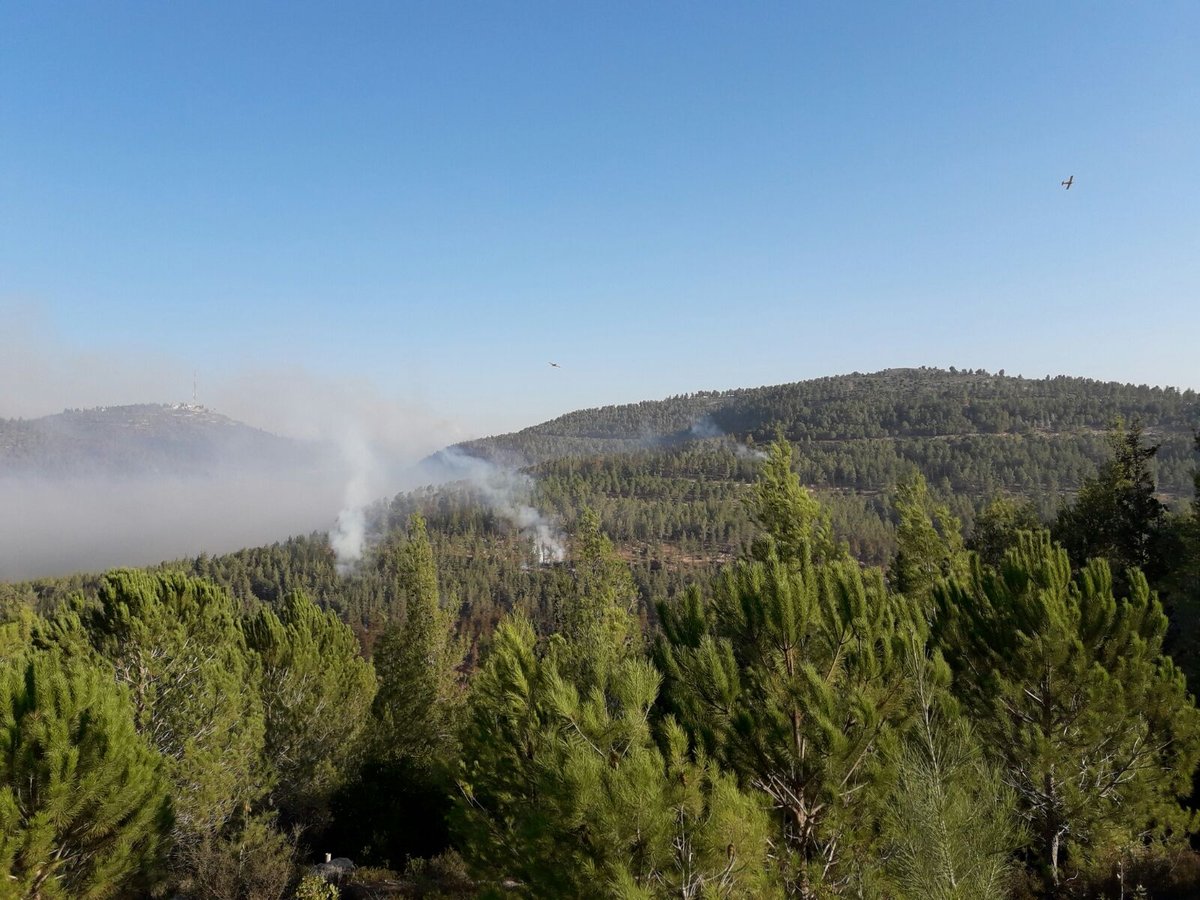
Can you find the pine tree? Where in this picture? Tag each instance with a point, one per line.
(568, 787)
(597, 619)
(997, 525)
(793, 679)
(929, 540)
(316, 692)
(1116, 515)
(789, 513)
(950, 823)
(1068, 685)
(398, 803)
(175, 644)
(417, 707)
(84, 806)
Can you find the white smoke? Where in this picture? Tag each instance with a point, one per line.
(349, 535)
(705, 428)
(505, 490)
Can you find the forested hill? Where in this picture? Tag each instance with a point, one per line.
(143, 439)
(836, 419)
(893, 403)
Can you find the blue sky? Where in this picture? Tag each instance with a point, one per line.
(438, 199)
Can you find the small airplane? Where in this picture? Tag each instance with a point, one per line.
(556, 365)
(1067, 184)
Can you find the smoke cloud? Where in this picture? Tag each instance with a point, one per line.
(360, 444)
(706, 429)
(505, 490)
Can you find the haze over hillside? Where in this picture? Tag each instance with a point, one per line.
(138, 484)
(142, 440)
(132, 485)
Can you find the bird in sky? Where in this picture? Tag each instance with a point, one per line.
(556, 365)
(1067, 184)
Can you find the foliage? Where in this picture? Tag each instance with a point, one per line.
(792, 678)
(315, 887)
(84, 810)
(950, 822)
(1069, 687)
(316, 693)
(570, 794)
(1116, 515)
(929, 541)
(565, 785)
(596, 620)
(248, 860)
(997, 525)
(416, 707)
(441, 876)
(790, 514)
(175, 644)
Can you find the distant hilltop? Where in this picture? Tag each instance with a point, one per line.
(141, 439)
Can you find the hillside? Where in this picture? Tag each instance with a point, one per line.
(670, 489)
(892, 405)
(668, 480)
(141, 439)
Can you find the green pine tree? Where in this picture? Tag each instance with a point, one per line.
(793, 678)
(316, 693)
(84, 805)
(175, 643)
(788, 512)
(566, 785)
(1068, 685)
(928, 538)
(416, 710)
(997, 526)
(1116, 515)
(950, 824)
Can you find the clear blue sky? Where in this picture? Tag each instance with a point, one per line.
(440, 198)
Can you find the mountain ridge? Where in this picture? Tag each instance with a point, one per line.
(139, 439)
(898, 403)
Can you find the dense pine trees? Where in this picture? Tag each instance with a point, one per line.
(569, 785)
(990, 712)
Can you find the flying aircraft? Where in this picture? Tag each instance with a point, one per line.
(1067, 184)
(556, 365)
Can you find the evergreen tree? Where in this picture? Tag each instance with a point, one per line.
(597, 619)
(567, 787)
(929, 540)
(950, 824)
(316, 693)
(1068, 686)
(417, 706)
(397, 805)
(789, 513)
(84, 806)
(1181, 585)
(17, 625)
(1116, 515)
(997, 525)
(793, 679)
(175, 644)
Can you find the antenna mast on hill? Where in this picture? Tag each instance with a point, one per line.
(193, 388)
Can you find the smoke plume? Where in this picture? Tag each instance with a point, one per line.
(507, 491)
(706, 429)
